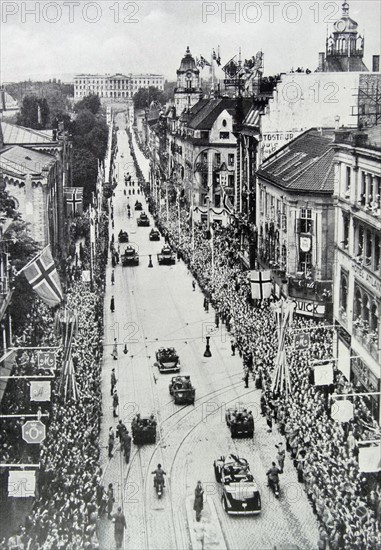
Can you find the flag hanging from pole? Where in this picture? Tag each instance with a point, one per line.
(74, 198)
(41, 274)
(261, 284)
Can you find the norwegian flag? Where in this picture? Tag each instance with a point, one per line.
(74, 198)
(261, 284)
(41, 274)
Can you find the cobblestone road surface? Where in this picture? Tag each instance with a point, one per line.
(157, 307)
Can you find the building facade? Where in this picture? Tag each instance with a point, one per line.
(295, 219)
(188, 89)
(118, 86)
(357, 283)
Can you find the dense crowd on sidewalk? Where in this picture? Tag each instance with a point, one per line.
(65, 510)
(347, 502)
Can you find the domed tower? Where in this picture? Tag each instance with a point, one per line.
(345, 47)
(188, 91)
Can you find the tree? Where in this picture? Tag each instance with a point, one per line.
(90, 102)
(22, 248)
(34, 112)
(144, 97)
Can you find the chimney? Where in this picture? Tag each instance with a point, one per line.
(321, 61)
(376, 64)
(337, 122)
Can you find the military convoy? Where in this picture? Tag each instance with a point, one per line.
(143, 220)
(154, 235)
(130, 257)
(167, 360)
(182, 390)
(166, 256)
(240, 423)
(123, 236)
(240, 494)
(143, 429)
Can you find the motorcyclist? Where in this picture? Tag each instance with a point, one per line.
(273, 475)
(159, 476)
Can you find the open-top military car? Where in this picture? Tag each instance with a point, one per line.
(123, 236)
(143, 429)
(130, 257)
(143, 220)
(182, 390)
(154, 235)
(138, 205)
(167, 360)
(166, 256)
(240, 494)
(240, 423)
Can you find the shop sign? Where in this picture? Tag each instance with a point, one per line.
(309, 307)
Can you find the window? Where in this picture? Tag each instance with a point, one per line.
(348, 179)
(218, 159)
(204, 134)
(231, 159)
(224, 135)
(345, 241)
(224, 123)
(306, 223)
(230, 180)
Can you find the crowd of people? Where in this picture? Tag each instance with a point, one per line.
(324, 452)
(69, 495)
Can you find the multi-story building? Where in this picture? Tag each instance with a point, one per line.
(36, 166)
(118, 86)
(357, 278)
(295, 220)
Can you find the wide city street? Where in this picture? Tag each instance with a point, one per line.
(157, 307)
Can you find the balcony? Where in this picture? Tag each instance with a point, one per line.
(369, 341)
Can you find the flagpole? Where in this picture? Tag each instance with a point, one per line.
(32, 260)
(192, 225)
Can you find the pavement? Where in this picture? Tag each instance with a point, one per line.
(158, 307)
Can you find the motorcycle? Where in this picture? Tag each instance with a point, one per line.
(274, 486)
(159, 485)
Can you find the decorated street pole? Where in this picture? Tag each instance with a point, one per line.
(283, 312)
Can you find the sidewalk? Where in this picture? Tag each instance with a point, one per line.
(205, 534)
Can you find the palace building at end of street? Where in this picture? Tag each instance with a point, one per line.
(117, 86)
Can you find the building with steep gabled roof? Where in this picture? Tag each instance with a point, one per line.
(295, 220)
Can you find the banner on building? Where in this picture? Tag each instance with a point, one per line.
(21, 483)
(305, 243)
(323, 375)
(261, 284)
(41, 274)
(46, 360)
(40, 390)
(74, 200)
(370, 458)
(342, 410)
(302, 341)
(86, 276)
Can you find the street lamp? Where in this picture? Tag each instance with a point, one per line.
(207, 352)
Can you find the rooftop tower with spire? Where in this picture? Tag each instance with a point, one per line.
(188, 90)
(344, 47)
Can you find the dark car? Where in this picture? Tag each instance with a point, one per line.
(143, 429)
(167, 360)
(182, 390)
(154, 235)
(130, 257)
(166, 256)
(138, 206)
(143, 220)
(240, 423)
(123, 236)
(240, 494)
